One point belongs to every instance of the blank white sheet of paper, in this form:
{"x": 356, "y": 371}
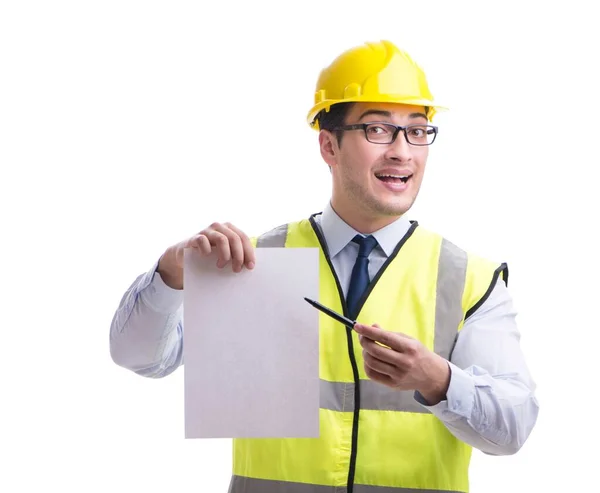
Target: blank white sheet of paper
{"x": 251, "y": 346}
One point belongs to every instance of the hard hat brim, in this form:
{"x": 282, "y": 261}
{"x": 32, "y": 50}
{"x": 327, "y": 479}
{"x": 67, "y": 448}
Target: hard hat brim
{"x": 326, "y": 104}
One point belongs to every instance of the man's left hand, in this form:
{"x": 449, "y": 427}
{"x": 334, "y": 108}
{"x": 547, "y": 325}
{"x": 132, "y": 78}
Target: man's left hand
{"x": 405, "y": 364}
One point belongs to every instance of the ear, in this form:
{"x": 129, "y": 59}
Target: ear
{"x": 329, "y": 147}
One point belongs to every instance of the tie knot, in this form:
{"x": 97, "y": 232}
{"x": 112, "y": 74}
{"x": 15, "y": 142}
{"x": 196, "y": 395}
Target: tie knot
{"x": 366, "y": 244}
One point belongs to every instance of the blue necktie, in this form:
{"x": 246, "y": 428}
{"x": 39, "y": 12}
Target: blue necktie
{"x": 360, "y": 273}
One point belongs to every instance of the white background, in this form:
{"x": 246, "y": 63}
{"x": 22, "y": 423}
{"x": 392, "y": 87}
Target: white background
{"x": 127, "y": 126}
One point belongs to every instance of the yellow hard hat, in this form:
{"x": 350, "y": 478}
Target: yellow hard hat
{"x": 375, "y": 73}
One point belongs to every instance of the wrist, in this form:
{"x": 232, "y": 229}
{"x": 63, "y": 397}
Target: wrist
{"x": 170, "y": 273}
{"x": 437, "y": 385}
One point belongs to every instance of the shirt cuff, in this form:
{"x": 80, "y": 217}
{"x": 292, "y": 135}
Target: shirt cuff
{"x": 157, "y": 295}
{"x": 459, "y": 397}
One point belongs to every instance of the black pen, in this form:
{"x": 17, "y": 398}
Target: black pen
{"x": 336, "y": 316}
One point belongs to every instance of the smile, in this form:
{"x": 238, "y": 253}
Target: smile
{"x": 393, "y": 178}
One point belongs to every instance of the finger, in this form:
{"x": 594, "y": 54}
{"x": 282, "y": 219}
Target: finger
{"x": 179, "y": 251}
{"x": 402, "y": 360}
{"x": 204, "y": 245}
{"x": 365, "y": 337}
{"x": 200, "y": 242}
{"x": 247, "y": 257}
{"x": 379, "y": 377}
{"x": 393, "y": 340}
{"x": 235, "y": 246}
{"x": 377, "y": 351}
{"x": 379, "y": 365}
{"x": 221, "y": 243}
{"x": 371, "y": 331}
{"x": 242, "y": 254}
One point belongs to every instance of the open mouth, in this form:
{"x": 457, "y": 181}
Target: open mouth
{"x": 387, "y": 178}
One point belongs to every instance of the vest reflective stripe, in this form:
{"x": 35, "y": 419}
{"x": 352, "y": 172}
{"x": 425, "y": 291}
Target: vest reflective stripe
{"x": 274, "y": 238}
{"x": 452, "y": 270}
{"x": 339, "y": 396}
{"x": 241, "y": 484}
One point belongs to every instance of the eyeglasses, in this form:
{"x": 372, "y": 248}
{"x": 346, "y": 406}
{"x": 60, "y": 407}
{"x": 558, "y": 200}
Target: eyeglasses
{"x": 386, "y": 133}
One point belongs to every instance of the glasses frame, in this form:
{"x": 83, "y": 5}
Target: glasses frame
{"x": 363, "y": 126}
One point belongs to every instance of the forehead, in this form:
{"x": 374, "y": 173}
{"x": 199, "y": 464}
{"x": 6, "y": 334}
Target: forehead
{"x": 394, "y": 111}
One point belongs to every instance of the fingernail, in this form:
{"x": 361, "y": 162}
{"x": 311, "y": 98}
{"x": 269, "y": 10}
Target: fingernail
{"x": 250, "y": 265}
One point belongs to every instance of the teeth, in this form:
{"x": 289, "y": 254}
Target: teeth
{"x": 403, "y": 178}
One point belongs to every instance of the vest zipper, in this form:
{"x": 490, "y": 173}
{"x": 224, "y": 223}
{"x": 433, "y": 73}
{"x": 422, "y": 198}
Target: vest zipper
{"x": 353, "y": 363}
{"x": 354, "y": 439}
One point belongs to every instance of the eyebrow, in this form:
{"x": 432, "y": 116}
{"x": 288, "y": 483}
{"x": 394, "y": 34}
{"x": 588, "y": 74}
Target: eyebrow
{"x": 389, "y": 114}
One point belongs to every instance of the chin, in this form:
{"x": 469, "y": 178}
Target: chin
{"x": 395, "y": 208}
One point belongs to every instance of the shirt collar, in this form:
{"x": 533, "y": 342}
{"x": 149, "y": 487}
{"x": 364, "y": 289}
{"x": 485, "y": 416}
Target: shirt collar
{"x": 338, "y": 233}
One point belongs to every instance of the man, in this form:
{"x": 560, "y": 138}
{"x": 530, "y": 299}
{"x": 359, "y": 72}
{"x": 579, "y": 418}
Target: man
{"x": 448, "y": 373}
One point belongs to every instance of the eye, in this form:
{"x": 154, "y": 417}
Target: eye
{"x": 417, "y": 132}
{"x": 377, "y": 129}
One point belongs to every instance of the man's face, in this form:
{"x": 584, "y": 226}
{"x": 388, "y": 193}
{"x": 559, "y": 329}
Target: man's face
{"x": 376, "y": 180}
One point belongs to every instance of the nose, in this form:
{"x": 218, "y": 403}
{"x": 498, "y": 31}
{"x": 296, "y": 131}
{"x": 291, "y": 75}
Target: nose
{"x": 399, "y": 150}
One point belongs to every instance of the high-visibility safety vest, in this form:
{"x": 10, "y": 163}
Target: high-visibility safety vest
{"x": 374, "y": 439}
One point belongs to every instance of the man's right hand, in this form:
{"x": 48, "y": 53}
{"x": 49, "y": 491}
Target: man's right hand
{"x": 232, "y": 245}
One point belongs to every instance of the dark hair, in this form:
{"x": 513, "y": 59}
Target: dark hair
{"x": 335, "y": 117}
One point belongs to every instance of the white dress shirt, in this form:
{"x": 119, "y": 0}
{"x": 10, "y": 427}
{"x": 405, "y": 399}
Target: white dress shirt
{"x": 490, "y": 403}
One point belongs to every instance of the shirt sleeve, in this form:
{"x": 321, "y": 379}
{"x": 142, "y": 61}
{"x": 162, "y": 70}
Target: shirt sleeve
{"x": 146, "y": 333}
{"x": 490, "y": 403}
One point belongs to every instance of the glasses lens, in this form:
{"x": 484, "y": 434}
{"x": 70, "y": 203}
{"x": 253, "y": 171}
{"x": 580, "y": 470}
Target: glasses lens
{"x": 420, "y": 134}
{"x": 380, "y": 133}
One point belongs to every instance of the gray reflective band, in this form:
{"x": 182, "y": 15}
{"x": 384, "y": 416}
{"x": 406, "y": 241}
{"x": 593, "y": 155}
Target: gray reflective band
{"x": 274, "y": 238}
{"x": 363, "y": 488}
{"x": 452, "y": 271}
{"x": 241, "y": 484}
{"x": 339, "y": 396}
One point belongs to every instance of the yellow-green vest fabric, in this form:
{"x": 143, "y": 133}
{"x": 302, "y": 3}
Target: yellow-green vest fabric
{"x": 374, "y": 439}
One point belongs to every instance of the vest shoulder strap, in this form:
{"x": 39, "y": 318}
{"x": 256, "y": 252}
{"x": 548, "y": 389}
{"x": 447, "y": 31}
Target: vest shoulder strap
{"x": 275, "y": 238}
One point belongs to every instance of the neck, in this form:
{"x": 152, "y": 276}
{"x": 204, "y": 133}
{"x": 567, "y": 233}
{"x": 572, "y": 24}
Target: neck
{"x": 361, "y": 222}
